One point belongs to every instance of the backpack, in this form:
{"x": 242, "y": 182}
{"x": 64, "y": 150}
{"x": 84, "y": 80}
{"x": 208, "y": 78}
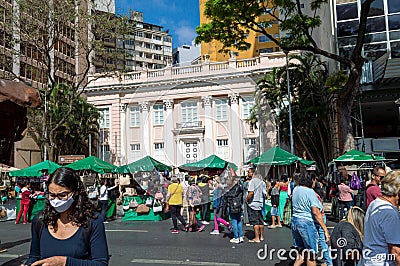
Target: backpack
{"x": 355, "y": 182}
{"x": 87, "y": 231}
{"x": 363, "y": 204}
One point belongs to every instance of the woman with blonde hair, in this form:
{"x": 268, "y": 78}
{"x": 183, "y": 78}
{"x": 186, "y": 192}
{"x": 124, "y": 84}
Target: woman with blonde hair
{"x": 347, "y": 238}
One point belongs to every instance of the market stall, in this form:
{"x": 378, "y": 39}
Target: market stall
{"x": 358, "y": 165}
{"x": 210, "y": 166}
{"x": 144, "y": 178}
{"x": 91, "y": 166}
{"x": 33, "y": 174}
{"x": 277, "y": 157}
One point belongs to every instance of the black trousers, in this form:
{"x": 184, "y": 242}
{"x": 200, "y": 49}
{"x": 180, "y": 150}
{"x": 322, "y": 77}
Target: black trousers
{"x": 176, "y": 215}
{"x": 205, "y": 209}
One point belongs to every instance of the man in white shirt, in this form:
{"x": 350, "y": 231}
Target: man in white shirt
{"x": 103, "y": 198}
{"x": 255, "y": 198}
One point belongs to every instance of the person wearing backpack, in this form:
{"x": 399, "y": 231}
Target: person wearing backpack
{"x": 193, "y": 195}
{"x": 233, "y": 198}
{"x": 373, "y": 191}
{"x": 68, "y": 231}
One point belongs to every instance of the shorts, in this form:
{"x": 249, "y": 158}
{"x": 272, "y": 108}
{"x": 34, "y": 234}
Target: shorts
{"x": 196, "y": 208}
{"x": 305, "y": 234}
{"x": 255, "y": 216}
{"x": 274, "y": 211}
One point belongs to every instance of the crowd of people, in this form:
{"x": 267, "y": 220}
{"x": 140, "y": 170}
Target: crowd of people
{"x": 367, "y": 235}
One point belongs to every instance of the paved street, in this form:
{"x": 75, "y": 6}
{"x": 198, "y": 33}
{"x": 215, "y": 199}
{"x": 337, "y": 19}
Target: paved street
{"x": 151, "y": 243}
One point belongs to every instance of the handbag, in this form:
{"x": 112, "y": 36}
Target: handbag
{"x": 157, "y": 206}
{"x": 133, "y": 204}
{"x": 142, "y": 209}
{"x": 159, "y": 196}
{"x": 355, "y": 182}
{"x": 149, "y": 202}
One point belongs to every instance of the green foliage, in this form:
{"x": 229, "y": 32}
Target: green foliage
{"x": 70, "y": 120}
{"x": 309, "y": 102}
{"x": 336, "y": 81}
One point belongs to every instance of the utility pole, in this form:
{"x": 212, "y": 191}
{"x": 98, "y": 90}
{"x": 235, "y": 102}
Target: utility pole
{"x": 290, "y": 105}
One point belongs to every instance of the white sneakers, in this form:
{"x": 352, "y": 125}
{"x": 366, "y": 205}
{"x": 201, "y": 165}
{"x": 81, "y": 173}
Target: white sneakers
{"x": 205, "y": 222}
{"x": 237, "y": 240}
{"x": 214, "y": 232}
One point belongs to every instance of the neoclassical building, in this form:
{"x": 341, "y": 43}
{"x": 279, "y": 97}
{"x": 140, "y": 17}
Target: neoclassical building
{"x": 183, "y": 114}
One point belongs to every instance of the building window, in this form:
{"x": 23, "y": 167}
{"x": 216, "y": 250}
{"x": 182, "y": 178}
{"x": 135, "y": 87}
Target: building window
{"x": 105, "y": 117}
{"x": 221, "y": 107}
{"x": 138, "y": 33}
{"x": 189, "y": 112}
{"x": 134, "y": 113}
{"x": 135, "y": 147}
{"x": 223, "y": 149}
{"x": 266, "y": 50}
{"x": 347, "y": 11}
{"x": 158, "y": 152}
{"x": 158, "y": 114}
{"x": 263, "y": 38}
{"x": 250, "y": 150}
{"x": 393, "y": 6}
{"x": 247, "y": 104}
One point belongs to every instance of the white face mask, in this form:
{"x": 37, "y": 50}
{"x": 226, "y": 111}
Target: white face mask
{"x": 61, "y": 205}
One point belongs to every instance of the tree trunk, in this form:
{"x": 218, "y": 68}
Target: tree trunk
{"x": 345, "y": 105}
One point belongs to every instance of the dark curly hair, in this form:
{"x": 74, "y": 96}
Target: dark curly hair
{"x": 81, "y": 210}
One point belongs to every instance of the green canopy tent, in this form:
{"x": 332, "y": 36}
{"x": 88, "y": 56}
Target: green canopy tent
{"x": 94, "y": 164}
{"x": 278, "y": 156}
{"x": 211, "y": 162}
{"x": 36, "y": 169}
{"x": 358, "y": 156}
{"x": 145, "y": 164}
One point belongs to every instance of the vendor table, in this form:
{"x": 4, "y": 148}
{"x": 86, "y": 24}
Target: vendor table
{"x": 131, "y": 215}
{"x": 37, "y": 205}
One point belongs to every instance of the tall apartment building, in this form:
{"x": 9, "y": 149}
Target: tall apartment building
{"x": 259, "y": 43}
{"x": 144, "y": 46}
{"x": 186, "y": 55}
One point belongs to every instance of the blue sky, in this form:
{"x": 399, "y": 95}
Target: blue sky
{"x": 180, "y": 17}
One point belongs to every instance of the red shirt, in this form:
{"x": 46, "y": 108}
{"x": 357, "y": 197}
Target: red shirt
{"x": 373, "y": 192}
{"x": 25, "y": 196}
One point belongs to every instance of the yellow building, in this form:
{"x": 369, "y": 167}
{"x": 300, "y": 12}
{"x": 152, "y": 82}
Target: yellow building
{"x": 259, "y": 43}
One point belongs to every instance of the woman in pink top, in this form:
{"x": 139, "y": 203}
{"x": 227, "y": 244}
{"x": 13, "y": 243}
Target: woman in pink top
{"x": 345, "y": 199}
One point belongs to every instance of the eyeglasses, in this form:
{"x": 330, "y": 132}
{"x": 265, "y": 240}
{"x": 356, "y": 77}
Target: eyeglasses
{"x": 60, "y": 196}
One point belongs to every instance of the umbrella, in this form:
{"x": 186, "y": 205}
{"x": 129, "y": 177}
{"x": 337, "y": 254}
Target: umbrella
{"x": 358, "y": 156}
{"x": 278, "y": 156}
{"x": 211, "y": 162}
{"x": 36, "y": 170}
{"x": 92, "y": 163}
{"x": 145, "y": 164}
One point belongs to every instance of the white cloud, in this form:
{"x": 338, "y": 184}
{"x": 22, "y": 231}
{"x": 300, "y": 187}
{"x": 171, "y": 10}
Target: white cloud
{"x": 184, "y": 34}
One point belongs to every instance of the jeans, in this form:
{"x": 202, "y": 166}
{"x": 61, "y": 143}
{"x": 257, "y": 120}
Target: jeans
{"x": 104, "y": 205}
{"x": 236, "y": 222}
{"x": 205, "y": 208}
{"x": 305, "y": 234}
{"x": 322, "y": 243}
{"x": 176, "y": 215}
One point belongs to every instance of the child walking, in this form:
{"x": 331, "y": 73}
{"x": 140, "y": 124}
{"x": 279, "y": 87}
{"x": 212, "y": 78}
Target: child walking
{"x": 275, "y": 205}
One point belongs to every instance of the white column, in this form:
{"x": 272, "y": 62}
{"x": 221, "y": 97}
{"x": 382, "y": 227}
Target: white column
{"x": 208, "y": 126}
{"x": 169, "y": 146}
{"x": 235, "y": 130}
{"x": 122, "y": 109}
{"x": 144, "y": 121}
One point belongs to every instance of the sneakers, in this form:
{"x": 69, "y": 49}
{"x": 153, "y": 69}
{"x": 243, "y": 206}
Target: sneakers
{"x": 235, "y": 240}
{"x": 201, "y": 228}
{"x": 214, "y": 232}
{"x": 175, "y": 231}
{"x": 241, "y": 239}
{"x": 279, "y": 225}
{"x": 105, "y": 222}
{"x": 186, "y": 228}
{"x": 205, "y": 222}
{"x": 272, "y": 226}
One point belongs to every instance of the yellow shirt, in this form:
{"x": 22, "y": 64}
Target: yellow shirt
{"x": 176, "y": 191}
